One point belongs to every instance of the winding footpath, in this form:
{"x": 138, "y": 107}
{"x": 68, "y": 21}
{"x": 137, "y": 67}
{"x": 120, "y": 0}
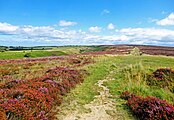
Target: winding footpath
{"x": 101, "y": 108}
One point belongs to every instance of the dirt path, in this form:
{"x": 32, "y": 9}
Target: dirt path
{"x": 101, "y": 108}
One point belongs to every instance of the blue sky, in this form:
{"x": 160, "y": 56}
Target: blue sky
{"x": 86, "y": 22}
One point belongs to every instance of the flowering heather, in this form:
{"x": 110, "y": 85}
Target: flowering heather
{"x": 34, "y": 99}
{"x": 149, "y": 108}
{"x": 163, "y": 73}
{"x": 80, "y": 61}
{"x": 2, "y": 114}
{"x": 30, "y": 60}
{"x": 163, "y": 77}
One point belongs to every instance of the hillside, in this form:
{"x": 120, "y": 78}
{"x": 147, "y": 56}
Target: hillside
{"x": 91, "y": 82}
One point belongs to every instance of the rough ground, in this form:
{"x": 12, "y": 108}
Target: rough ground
{"x": 101, "y": 108}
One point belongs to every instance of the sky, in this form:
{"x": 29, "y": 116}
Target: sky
{"x": 86, "y": 22}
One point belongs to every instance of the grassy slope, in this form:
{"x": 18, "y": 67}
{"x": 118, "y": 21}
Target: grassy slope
{"x": 130, "y": 74}
{"x": 85, "y": 92}
{"x": 70, "y": 49}
{"x": 121, "y": 67}
{"x": 34, "y": 54}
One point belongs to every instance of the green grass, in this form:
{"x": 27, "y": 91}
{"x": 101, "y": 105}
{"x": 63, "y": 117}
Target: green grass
{"x": 33, "y": 54}
{"x": 70, "y": 49}
{"x": 129, "y": 73}
{"x": 92, "y": 49}
{"x": 85, "y": 92}
{"x": 79, "y": 49}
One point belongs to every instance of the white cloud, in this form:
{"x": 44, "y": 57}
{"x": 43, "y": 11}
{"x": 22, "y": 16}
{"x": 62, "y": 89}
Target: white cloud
{"x": 137, "y": 36}
{"x": 50, "y": 35}
{"x": 149, "y": 36}
{"x": 95, "y": 29}
{"x": 110, "y": 26}
{"x": 105, "y": 11}
{"x": 8, "y": 28}
{"x": 34, "y": 31}
{"x": 166, "y": 21}
{"x": 37, "y": 33}
{"x": 114, "y": 38}
{"x": 147, "y": 32}
{"x": 64, "y": 23}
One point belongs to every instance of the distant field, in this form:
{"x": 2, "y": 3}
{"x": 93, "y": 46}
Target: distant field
{"x": 41, "y": 52}
{"x": 45, "y": 51}
{"x": 29, "y": 54}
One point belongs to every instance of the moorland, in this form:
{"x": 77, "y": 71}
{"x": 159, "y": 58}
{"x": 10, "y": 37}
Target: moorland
{"x": 107, "y": 82}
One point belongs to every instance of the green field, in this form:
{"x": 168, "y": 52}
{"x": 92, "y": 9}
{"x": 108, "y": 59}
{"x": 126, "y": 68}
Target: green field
{"x": 35, "y": 52}
{"x": 30, "y": 54}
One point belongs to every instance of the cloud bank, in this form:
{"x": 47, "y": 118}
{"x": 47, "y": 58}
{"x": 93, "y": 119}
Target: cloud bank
{"x": 49, "y": 35}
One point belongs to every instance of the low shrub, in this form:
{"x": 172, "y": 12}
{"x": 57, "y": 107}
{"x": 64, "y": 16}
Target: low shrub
{"x": 149, "y": 108}
{"x": 80, "y": 61}
{"x": 163, "y": 78}
{"x": 126, "y": 95}
{"x": 34, "y": 99}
